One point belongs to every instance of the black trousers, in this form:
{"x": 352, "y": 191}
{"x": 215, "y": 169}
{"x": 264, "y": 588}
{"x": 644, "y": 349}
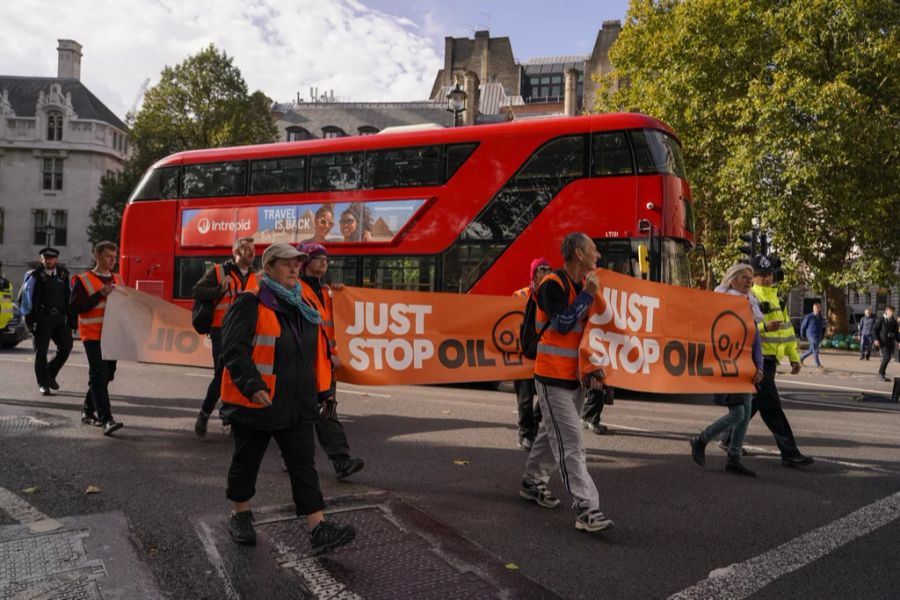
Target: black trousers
{"x": 331, "y": 434}
{"x": 768, "y": 403}
{"x": 529, "y": 410}
{"x": 593, "y": 408}
{"x": 886, "y": 354}
{"x": 100, "y": 373}
{"x": 49, "y": 327}
{"x": 215, "y": 386}
{"x": 298, "y": 449}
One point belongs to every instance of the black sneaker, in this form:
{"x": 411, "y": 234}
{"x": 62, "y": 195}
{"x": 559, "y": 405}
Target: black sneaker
{"x": 345, "y": 467}
{"x": 698, "y": 450}
{"x": 53, "y": 385}
{"x": 112, "y": 426}
{"x": 797, "y": 461}
{"x": 89, "y": 418}
{"x": 200, "y": 425}
{"x": 45, "y": 390}
{"x": 240, "y": 526}
{"x": 328, "y": 535}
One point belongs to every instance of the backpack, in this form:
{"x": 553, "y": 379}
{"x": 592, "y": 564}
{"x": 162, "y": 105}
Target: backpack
{"x": 529, "y": 336}
{"x": 203, "y": 310}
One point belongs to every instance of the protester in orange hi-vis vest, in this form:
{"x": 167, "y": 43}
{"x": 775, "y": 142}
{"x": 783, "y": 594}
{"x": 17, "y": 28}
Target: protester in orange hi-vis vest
{"x": 529, "y": 412}
{"x": 329, "y": 429}
{"x": 270, "y": 343}
{"x": 563, "y": 300}
{"x": 89, "y": 294}
{"x": 221, "y": 284}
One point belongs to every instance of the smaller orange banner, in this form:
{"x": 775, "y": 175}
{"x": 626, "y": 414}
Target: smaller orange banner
{"x": 668, "y": 339}
{"x": 387, "y": 337}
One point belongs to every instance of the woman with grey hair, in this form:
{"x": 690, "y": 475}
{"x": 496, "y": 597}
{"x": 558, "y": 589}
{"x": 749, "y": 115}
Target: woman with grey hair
{"x": 737, "y": 281}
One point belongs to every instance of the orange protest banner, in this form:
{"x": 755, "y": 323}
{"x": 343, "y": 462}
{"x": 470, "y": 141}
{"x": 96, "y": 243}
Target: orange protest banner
{"x": 668, "y": 339}
{"x": 389, "y": 337}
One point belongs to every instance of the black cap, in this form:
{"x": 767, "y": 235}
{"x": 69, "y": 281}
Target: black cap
{"x": 49, "y": 252}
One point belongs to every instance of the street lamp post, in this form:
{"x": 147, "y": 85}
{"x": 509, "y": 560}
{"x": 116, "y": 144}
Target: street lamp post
{"x": 456, "y": 103}
{"x": 50, "y": 231}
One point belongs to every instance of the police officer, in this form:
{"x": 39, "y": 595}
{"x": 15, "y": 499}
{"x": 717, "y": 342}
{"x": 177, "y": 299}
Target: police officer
{"x": 778, "y": 341}
{"x": 45, "y": 301}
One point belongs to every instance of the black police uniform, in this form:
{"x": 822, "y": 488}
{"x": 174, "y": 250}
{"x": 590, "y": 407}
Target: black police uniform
{"x": 49, "y": 320}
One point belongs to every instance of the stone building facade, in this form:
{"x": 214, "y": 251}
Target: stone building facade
{"x": 56, "y": 141}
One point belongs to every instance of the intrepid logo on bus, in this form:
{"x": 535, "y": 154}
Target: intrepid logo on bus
{"x": 204, "y": 225}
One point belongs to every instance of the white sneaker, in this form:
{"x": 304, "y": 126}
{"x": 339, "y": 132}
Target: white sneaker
{"x": 539, "y": 493}
{"x": 593, "y": 520}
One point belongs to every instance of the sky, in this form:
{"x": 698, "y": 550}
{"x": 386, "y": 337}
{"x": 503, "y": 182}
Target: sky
{"x": 364, "y": 50}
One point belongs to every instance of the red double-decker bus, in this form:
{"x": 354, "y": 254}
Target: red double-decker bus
{"x": 462, "y": 210}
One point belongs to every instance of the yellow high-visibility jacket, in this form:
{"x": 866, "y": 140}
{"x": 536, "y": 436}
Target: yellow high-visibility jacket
{"x": 782, "y": 342}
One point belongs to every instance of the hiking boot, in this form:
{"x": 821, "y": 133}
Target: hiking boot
{"x": 328, "y": 535}
{"x": 240, "y": 526}
{"x": 593, "y": 520}
{"x": 733, "y": 465}
{"x": 698, "y": 450}
{"x": 345, "y": 467}
{"x": 202, "y": 422}
{"x": 724, "y": 447}
{"x": 538, "y": 492}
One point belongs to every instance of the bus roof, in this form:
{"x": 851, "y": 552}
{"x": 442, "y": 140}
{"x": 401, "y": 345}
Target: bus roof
{"x": 552, "y": 125}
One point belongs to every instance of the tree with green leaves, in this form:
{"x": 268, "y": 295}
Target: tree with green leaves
{"x": 787, "y": 110}
{"x": 201, "y": 103}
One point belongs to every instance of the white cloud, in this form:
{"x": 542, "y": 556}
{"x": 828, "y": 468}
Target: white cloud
{"x": 281, "y": 46}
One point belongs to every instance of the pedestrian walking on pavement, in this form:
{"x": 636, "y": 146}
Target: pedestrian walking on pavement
{"x": 885, "y": 336}
{"x": 564, "y": 301}
{"x": 45, "y": 301}
{"x": 813, "y": 329}
{"x": 329, "y": 429}
{"x": 778, "y": 341}
{"x": 220, "y": 285}
{"x": 89, "y": 294}
{"x": 529, "y": 411}
{"x": 737, "y": 282}
{"x": 269, "y": 352}
{"x": 866, "y": 325}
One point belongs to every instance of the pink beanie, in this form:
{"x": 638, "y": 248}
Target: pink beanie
{"x": 538, "y": 262}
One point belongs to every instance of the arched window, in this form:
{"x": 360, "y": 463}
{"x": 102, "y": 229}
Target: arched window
{"x": 297, "y": 134}
{"x": 54, "y": 125}
{"x": 330, "y": 131}
{"x": 367, "y": 130}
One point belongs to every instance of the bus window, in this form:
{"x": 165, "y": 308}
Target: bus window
{"x": 158, "y": 184}
{"x": 465, "y": 262}
{"x": 405, "y": 167}
{"x": 189, "y": 270}
{"x": 343, "y": 269}
{"x": 214, "y": 179}
{"x": 455, "y": 155}
{"x": 611, "y": 155}
{"x": 617, "y": 255}
{"x": 554, "y": 165}
{"x": 332, "y": 172}
{"x": 278, "y": 175}
{"x": 415, "y": 273}
{"x": 656, "y": 152}
{"x": 676, "y": 267}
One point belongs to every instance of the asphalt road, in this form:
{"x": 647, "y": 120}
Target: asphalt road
{"x": 828, "y": 531}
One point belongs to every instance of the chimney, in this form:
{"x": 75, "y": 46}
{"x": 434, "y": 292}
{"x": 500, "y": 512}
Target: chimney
{"x": 69, "y": 66}
{"x": 470, "y": 85}
{"x": 570, "y": 102}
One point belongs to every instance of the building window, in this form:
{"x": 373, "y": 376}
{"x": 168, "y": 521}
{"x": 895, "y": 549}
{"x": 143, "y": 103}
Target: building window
{"x": 367, "y": 130}
{"x": 40, "y": 227}
{"x": 60, "y": 227}
{"x": 331, "y": 131}
{"x": 54, "y": 126}
{"x": 53, "y": 174}
{"x": 2, "y": 223}
{"x": 297, "y": 134}
{"x": 49, "y": 232}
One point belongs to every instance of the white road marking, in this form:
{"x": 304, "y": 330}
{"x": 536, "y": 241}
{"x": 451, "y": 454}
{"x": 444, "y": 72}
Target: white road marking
{"x": 207, "y": 375}
{"x": 744, "y": 579}
{"x": 831, "y": 387}
{"x": 344, "y": 390}
{"x": 206, "y": 538}
{"x": 26, "y": 514}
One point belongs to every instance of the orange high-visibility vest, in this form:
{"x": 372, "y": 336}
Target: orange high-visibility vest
{"x": 557, "y": 353}
{"x": 90, "y": 323}
{"x": 268, "y": 330}
{"x": 234, "y": 288}
{"x": 326, "y": 346}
